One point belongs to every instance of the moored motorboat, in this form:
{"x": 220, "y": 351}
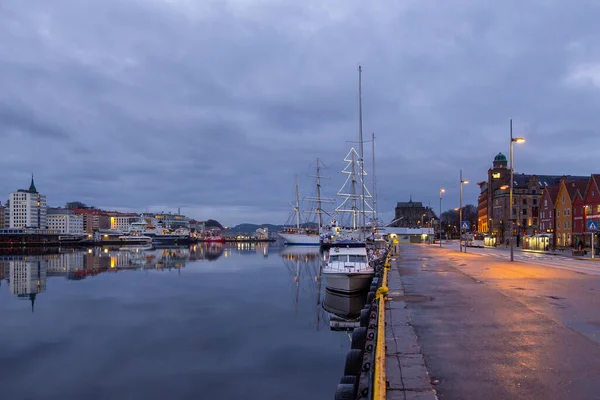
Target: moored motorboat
{"x": 348, "y": 269}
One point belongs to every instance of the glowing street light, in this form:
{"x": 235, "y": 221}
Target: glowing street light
{"x": 462, "y": 181}
{"x": 442, "y": 190}
{"x": 512, "y": 181}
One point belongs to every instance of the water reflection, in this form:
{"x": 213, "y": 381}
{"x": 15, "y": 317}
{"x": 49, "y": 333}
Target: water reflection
{"x": 26, "y": 275}
{"x": 304, "y": 264}
{"x": 345, "y": 306}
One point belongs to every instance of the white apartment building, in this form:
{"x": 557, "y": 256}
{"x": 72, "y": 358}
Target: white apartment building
{"x": 27, "y": 208}
{"x": 122, "y": 221}
{"x": 64, "y": 221}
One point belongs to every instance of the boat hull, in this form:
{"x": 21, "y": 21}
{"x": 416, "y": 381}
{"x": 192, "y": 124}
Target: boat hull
{"x": 300, "y": 239}
{"x": 348, "y": 282}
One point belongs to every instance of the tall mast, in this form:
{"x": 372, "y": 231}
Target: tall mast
{"x": 353, "y": 194}
{"x": 319, "y": 221}
{"x": 361, "y": 150}
{"x": 297, "y": 205}
{"x": 374, "y": 184}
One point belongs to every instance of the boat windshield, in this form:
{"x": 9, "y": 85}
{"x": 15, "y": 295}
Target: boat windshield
{"x": 345, "y": 258}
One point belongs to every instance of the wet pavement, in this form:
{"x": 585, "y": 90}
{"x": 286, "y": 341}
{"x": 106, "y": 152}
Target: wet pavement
{"x": 490, "y": 329}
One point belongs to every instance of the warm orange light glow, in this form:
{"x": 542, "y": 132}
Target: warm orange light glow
{"x": 504, "y": 187}
{"x": 519, "y": 140}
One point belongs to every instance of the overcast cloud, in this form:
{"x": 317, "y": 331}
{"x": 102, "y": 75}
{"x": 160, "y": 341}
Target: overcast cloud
{"x": 215, "y": 105}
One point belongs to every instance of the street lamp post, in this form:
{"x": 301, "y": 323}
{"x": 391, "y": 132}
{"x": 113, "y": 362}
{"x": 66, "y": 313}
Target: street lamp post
{"x": 460, "y": 214}
{"x": 512, "y": 180}
{"x": 440, "y": 227}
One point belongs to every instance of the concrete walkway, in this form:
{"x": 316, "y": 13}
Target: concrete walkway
{"x": 480, "y": 327}
{"x": 405, "y": 367}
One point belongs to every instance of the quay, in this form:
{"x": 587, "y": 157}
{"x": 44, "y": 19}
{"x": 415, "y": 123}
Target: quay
{"x": 476, "y": 326}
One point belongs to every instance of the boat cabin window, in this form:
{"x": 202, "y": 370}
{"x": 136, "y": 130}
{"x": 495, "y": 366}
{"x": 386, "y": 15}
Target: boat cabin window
{"x": 357, "y": 258}
{"x": 345, "y": 258}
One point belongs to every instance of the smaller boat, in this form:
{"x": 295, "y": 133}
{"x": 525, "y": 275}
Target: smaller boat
{"x": 214, "y": 237}
{"x": 135, "y": 240}
{"x": 348, "y": 269}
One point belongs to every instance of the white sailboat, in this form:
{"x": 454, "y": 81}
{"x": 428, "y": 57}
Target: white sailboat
{"x": 299, "y": 235}
{"x": 307, "y": 236}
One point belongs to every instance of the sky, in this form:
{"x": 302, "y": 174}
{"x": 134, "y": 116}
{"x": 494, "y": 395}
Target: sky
{"x": 214, "y": 106}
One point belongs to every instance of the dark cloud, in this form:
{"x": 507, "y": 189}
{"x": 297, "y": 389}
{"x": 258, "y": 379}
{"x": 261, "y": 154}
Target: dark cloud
{"x": 215, "y": 106}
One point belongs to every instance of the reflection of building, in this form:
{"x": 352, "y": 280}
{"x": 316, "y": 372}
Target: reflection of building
{"x": 27, "y": 208}
{"x": 27, "y": 278}
{"x": 61, "y": 264}
{"x": 64, "y": 221}
{"x": 412, "y": 214}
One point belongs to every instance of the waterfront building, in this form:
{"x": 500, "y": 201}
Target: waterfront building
{"x": 2, "y": 217}
{"x": 198, "y": 226}
{"x": 27, "y": 208}
{"x": 592, "y": 205}
{"x": 411, "y": 214}
{"x": 547, "y": 213}
{"x": 563, "y": 207}
{"x": 93, "y": 219}
{"x": 493, "y": 208}
{"x": 121, "y": 221}
{"x": 64, "y": 221}
{"x": 6, "y": 215}
{"x": 166, "y": 221}
{"x": 579, "y": 227}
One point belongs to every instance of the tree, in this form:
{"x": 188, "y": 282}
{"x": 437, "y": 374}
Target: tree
{"x": 75, "y": 204}
{"x": 451, "y": 219}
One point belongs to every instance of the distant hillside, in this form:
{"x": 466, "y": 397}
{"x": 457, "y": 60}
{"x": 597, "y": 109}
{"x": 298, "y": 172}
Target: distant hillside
{"x": 211, "y": 223}
{"x": 251, "y": 228}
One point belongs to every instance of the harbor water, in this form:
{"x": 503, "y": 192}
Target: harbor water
{"x": 243, "y": 321}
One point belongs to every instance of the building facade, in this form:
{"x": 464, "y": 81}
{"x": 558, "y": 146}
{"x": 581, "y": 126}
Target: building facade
{"x": 564, "y": 211}
{"x": 64, "y": 221}
{"x": 93, "y": 219}
{"x": 2, "y": 217}
{"x": 494, "y": 211}
{"x": 579, "y": 217}
{"x": 6, "y": 215}
{"x": 547, "y": 214}
{"x": 27, "y": 208}
{"x": 592, "y": 206}
{"x": 412, "y": 214}
{"x": 122, "y": 221}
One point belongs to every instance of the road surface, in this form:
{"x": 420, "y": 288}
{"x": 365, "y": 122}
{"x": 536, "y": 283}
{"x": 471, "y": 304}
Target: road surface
{"x": 491, "y": 329}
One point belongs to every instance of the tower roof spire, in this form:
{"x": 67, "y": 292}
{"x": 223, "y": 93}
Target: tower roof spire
{"x": 32, "y": 188}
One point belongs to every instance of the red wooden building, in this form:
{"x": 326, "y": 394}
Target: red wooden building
{"x": 592, "y": 205}
{"x": 546, "y": 212}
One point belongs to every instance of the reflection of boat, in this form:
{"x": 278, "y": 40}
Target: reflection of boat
{"x": 348, "y": 269}
{"x": 346, "y": 306}
{"x": 296, "y": 251}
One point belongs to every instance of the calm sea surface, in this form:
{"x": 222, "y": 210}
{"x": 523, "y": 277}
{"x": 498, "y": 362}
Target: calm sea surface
{"x": 223, "y": 322}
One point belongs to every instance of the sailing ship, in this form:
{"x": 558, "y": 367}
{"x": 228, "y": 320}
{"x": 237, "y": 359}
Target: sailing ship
{"x": 307, "y": 236}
